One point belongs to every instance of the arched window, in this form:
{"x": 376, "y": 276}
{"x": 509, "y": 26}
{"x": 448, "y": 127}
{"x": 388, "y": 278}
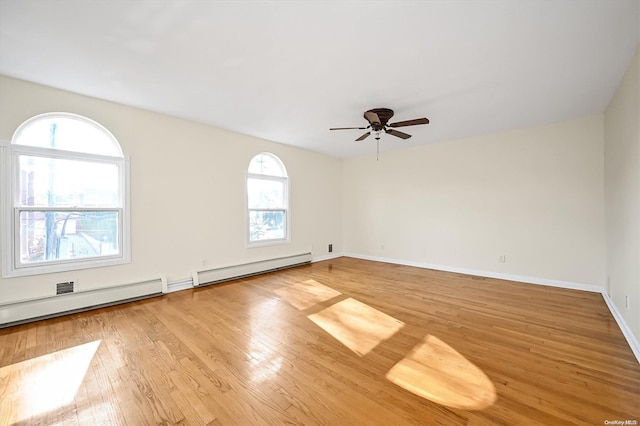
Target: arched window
{"x": 64, "y": 197}
{"x": 267, "y": 200}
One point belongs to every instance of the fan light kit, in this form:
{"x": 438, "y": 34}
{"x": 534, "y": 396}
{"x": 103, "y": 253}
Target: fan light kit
{"x": 378, "y": 119}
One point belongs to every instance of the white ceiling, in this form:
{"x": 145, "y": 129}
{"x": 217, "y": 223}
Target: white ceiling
{"x": 288, "y": 71}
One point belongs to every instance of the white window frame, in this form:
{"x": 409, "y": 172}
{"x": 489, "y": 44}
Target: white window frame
{"x": 11, "y": 208}
{"x": 287, "y": 219}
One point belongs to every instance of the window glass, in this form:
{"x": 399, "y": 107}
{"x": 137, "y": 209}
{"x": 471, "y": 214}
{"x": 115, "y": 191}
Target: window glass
{"x": 70, "y": 183}
{"x": 267, "y": 225}
{"x": 267, "y": 164}
{"x": 68, "y": 133}
{"x": 266, "y": 194}
{"x": 59, "y": 235}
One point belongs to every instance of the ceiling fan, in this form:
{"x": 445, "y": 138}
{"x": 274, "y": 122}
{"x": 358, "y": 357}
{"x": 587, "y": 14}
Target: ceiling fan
{"x": 378, "y": 119}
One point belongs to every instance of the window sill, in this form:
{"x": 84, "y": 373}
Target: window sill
{"x": 62, "y": 267}
{"x": 266, "y": 243}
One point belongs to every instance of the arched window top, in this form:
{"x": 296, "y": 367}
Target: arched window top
{"x": 267, "y": 164}
{"x": 68, "y": 132}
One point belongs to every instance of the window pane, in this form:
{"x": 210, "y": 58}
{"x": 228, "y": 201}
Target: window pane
{"x": 265, "y": 164}
{"x": 54, "y": 235}
{"x": 266, "y": 225}
{"x": 265, "y": 194}
{"x": 67, "y": 183}
{"x": 67, "y": 133}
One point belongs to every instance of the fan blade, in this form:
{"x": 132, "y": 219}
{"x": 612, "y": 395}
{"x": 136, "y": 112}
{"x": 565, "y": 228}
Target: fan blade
{"x": 372, "y": 117}
{"x": 397, "y": 134}
{"x": 348, "y": 128}
{"x": 410, "y": 122}
{"x": 363, "y": 137}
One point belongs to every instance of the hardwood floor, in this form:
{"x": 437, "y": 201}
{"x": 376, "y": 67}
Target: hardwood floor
{"x": 341, "y": 342}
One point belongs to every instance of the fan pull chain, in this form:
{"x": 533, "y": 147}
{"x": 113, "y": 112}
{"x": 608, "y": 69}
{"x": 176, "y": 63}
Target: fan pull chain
{"x": 378, "y": 149}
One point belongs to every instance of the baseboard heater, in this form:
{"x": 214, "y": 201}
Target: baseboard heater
{"x": 228, "y": 273}
{"x": 20, "y": 312}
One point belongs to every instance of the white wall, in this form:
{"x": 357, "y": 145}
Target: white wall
{"x": 187, "y": 191}
{"x": 622, "y": 189}
{"x": 535, "y": 195}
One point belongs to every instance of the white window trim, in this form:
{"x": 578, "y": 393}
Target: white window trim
{"x": 287, "y": 210}
{"x": 9, "y": 210}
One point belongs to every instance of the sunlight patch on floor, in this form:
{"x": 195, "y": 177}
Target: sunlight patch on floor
{"x": 356, "y": 325}
{"x": 43, "y": 384}
{"x": 437, "y": 372}
{"x": 304, "y": 295}
{"x": 432, "y": 370}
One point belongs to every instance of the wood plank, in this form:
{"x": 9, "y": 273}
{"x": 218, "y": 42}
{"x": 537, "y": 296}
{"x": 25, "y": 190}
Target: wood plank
{"x": 249, "y": 352}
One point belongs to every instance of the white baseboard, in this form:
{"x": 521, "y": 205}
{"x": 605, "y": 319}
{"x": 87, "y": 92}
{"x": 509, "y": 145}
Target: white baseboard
{"x": 624, "y": 327}
{"x": 326, "y": 257}
{"x": 489, "y": 274}
{"x": 179, "y": 285}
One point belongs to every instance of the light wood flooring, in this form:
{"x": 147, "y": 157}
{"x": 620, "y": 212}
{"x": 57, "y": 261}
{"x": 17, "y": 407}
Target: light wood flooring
{"x": 339, "y": 342}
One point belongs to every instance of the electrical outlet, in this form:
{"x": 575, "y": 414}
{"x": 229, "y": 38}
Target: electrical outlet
{"x": 330, "y": 248}
{"x": 626, "y": 302}
{"x": 502, "y": 258}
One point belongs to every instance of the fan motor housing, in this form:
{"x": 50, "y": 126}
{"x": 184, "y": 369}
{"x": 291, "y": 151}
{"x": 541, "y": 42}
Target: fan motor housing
{"x": 384, "y": 114}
